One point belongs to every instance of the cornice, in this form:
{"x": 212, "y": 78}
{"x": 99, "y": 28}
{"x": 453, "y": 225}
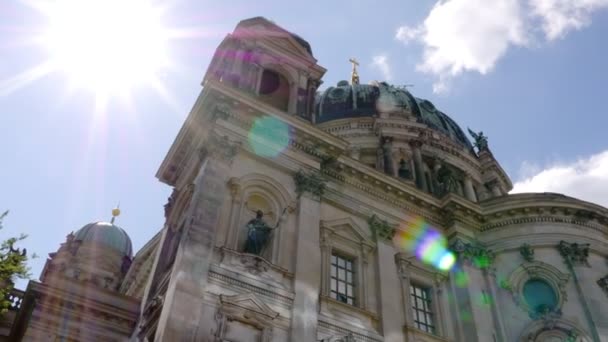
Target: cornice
{"x": 292, "y": 121}
{"x": 542, "y": 207}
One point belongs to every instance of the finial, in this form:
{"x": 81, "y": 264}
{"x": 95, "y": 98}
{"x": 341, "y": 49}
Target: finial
{"x": 115, "y": 213}
{"x": 354, "y": 76}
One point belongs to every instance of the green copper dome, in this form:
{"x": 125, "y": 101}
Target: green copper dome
{"x": 106, "y": 234}
{"x": 365, "y": 100}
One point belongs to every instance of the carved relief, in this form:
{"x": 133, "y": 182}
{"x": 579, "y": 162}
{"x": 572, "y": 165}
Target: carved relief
{"x": 381, "y": 229}
{"x": 603, "y": 283}
{"x": 311, "y": 182}
{"x": 527, "y": 252}
{"x": 219, "y": 147}
{"x": 243, "y": 314}
{"x": 475, "y": 255}
{"x": 574, "y": 253}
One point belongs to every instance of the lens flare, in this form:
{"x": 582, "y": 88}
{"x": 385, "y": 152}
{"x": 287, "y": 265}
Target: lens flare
{"x": 461, "y": 278}
{"x": 427, "y": 244}
{"x": 268, "y": 136}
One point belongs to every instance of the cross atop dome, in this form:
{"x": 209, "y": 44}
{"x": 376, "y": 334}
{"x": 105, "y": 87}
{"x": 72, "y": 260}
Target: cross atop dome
{"x": 354, "y": 76}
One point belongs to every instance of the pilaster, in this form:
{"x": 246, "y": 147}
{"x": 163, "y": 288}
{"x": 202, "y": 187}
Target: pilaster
{"x": 181, "y": 316}
{"x": 307, "y": 269}
{"x": 388, "y": 287}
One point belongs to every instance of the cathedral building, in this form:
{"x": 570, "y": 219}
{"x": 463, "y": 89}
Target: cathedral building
{"x": 358, "y": 212}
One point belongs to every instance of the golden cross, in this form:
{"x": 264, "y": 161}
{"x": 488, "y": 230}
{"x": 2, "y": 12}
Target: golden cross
{"x": 354, "y": 75}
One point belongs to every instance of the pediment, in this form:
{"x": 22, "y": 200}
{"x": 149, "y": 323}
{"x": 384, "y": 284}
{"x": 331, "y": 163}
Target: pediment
{"x": 249, "y": 302}
{"x": 349, "y": 229}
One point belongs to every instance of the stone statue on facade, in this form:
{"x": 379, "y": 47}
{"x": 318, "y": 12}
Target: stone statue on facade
{"x": 481, "y": 141}
{"x": 446, "y": 181}
{"x": 259, "y": 233}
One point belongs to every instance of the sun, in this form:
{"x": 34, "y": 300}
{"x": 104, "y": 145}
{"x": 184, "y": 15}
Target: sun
{"x": 107, "y": 46}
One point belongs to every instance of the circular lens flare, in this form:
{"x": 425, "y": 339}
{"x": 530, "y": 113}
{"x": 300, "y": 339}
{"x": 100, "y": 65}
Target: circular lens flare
{"x": 426, "y": 243}
{"x": 268, "y": 136}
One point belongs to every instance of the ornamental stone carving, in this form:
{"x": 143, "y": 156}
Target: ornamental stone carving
{"x": 475, "y": 255}
{"x": 311, "y": 182}
{"x": 249, "y": 311}
{"x": 603, "y": 283}
{"x": 346, "y": 338}
{"x": 220, "y": 148}
{"x": 221, "y": 111}
{"x": 574, "y": 253}
{"x": 546, "y": 273}
{"x": 381, "y": 229}
{"x": 527, "y": 252}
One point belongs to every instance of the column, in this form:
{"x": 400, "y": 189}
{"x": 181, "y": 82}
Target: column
{"x": 387, "y": 150}
{"x": 307, "y": 270}
{"x": 183, "y": 316}
{"x": 469, "y": 192}
{"x": 391, "y": 311}
{"x": 418, "y": 165}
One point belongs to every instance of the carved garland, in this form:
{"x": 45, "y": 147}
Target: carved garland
{"x": 311, "y": 182}
{"x": 381, "y": 229}
{"x": 475, "y": 255}
{"x": 603, "y": 283}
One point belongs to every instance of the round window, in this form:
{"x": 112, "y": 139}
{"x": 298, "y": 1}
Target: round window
{"x": 540, "y": 296}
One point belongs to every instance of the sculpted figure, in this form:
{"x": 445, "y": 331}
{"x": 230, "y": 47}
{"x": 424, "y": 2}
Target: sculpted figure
{"x": 259, "y": 233}
{"x": 481, "y": 141}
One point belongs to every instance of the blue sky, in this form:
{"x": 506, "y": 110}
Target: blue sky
{"x": 530, "y": 73}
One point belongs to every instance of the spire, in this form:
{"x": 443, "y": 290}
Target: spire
{"x": 115, "y": 213}
{"x": 354, "y": 76}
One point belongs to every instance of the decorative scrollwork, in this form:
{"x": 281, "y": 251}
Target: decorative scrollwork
{"x": 478, "y": 256}
{"x": 527, "y": 252}
{"x": 311, "y": 182}
{"x": 220, "y": 148}
{"x": 603, "y": 283}
{"x": 381, "y": 229}
{"x": 574, "y": 253}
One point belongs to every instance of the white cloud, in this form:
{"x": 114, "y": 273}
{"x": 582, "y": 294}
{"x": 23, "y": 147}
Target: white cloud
{"x": 472, "y": 35}
{"x": 380, "y": 62}
{"x": 560, "y": 16}
{"x": 586, "y": 179}
{"x": 407, "y": 34}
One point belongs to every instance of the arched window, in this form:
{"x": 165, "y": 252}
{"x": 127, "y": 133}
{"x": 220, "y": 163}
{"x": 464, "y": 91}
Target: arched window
{"x": 274, "y": 89}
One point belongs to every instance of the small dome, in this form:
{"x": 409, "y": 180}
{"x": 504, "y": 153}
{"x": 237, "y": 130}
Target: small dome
{"x": 106, "y": 234}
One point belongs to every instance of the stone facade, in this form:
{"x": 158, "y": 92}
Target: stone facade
{"x": 332, "y": 194}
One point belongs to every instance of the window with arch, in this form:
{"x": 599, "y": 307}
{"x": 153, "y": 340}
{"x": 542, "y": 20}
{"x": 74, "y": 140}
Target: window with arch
{"x": 274, "y": 89}
{"x": 538, "y": 288}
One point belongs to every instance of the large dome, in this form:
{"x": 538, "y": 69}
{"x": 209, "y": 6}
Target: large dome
{"x": 106, "y": 234}
{"x": 363, "y": 100}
